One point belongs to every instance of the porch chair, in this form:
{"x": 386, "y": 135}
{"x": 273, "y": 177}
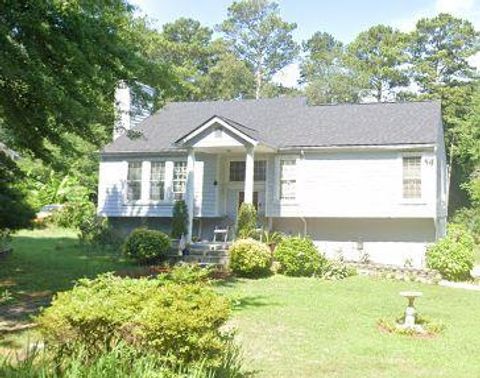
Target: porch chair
{"x": 219, "y": 234}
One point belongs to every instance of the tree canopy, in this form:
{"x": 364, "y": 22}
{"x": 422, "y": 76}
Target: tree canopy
{"x": 260, "y": 37}
{"x": 59, "y": 65}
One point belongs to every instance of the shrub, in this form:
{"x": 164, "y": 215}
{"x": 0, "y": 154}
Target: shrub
{"x": 336, "y": 270}
{"x": 180, "y": 219}
{"x": 299, "y": 257}
{"x": 187, "y": 274}
{"x": 470, "y": 219}
{"x": 73, "y": 214}
{"x": 250, "y": 258}
{"x": 97, "y": 232}
{"x": 179, "y": 323}
{"x": 143, "y": 245}
{"x": 246, "y": 220}
{"x": 453, "y": 256}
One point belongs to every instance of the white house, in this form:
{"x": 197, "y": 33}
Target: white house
{"x": 363, "y": 180}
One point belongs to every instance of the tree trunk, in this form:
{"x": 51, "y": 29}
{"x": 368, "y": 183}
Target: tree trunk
{"x": 258, "y": 83}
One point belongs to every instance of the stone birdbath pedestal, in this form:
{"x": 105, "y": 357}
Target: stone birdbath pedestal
{"x": 410, "y": 311}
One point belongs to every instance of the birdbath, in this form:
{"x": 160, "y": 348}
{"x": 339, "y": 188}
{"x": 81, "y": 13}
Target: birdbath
{"x": 410, "y": 311}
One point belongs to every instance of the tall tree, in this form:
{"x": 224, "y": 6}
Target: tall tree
{"x": 324, "y": 72}
{"x": 186, "y": 46}
{"x": 205, "y": 68}
{"x": 440, "y": 48}
{"x": 377, "y": 55}
{"x": 260, "y": 37}
{"x": 228, "y": 78}
{"x": 60, "y": 62}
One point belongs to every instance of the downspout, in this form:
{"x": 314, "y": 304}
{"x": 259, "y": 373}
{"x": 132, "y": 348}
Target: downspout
{"x": 302, "y": 218}
{"x": 304, "y": 226}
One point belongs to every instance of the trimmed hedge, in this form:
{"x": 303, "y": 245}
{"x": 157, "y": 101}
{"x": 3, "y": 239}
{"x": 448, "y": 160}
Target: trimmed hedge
{"x": 250, "y": 258}
{"x": 453, "y": 256}
{"x": 143, "y": 245}
{"x": 298, "y": 256}
{"x": 180, "y": 323}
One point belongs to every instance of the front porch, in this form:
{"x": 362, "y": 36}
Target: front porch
{"x": 239, "y": 175}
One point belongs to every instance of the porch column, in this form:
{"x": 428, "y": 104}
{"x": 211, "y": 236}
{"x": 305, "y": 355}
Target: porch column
{"x": 190, "y": 192}
{"x": 249, "y": 170}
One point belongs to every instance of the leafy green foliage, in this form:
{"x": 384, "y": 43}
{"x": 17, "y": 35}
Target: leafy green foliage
{"x": 299, "y": 257}
{"x": 143, "y": 245}
{"x": 122, "y": 361}
{"x": 440, "y": 47}
{"x": 453, "y": 256}
{"x": 329, "y": 79}
{"x": 180, "y": 219}
{"x": 15, "y": 212}
{"x": 51, "y": 62}
{"x": 187, "y": 274}
{"x": 73, "y": 214}
{"x": 337, "y": 270}
{"x": 377, "y": 55}
{"x": 246, "y": 220}
{"x": 5, "y": 238}
{"x": 96, "y": 231}
{"x": 178, "y": 323}
{"x": 204, "y": 68}
{"x": 260, "y": 37}
{"x": 250, "y": 258}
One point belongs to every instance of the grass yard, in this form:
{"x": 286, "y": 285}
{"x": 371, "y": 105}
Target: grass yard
{"x": 291, "y": 327}
{"x": 42, "y": 263}
{"x": 287, "y": 327}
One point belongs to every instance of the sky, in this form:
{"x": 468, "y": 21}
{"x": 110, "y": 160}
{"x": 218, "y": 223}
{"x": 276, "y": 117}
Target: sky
{"x": 344, "y": 19}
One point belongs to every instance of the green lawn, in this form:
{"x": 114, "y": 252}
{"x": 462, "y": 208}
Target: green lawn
{"x": 287, "y": 327}
{"x": 44, "y": 262}
{"x": 291, "y": 327}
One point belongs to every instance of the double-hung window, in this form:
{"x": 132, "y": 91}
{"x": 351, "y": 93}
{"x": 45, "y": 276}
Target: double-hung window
{"x": 237, "y": 171}
{"x": 179, "y": 179}
{"x": 134, "y": 181}
{"x": 157, "y": 181}
{"x": 288, "y": 179}
{"x": 412, "y": 177}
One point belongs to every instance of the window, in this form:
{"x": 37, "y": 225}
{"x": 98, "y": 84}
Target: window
{"x": 157, "y": 181}
{"x": 179, "y": 179}
{"x": 288, "y": 182}
{"x": 260, "y": 170}
{"x": 134, "y": 181}
{"x": 412, "y": 177}
{"x": 237, "y": 170}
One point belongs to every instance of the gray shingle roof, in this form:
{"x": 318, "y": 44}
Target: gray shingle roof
{"x": 290, "y": 122}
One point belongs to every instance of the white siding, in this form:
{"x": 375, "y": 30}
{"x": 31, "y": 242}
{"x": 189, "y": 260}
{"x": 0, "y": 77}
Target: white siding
{"x": 355, "y": 185}
{"x": 112, "y": 188}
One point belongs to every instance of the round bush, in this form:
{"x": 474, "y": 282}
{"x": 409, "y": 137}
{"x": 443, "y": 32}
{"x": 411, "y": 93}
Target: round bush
{"x": 250, "y": 258}
{"x": 453, "y": 256}
{"x": 298, "y": 256}
{"x": 180, "y": 323}
{"x": 145, "y": 245}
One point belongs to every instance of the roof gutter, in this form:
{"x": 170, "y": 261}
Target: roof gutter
{"x": 379, "y": 147}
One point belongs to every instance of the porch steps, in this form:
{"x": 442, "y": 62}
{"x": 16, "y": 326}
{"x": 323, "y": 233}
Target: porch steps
{"x": 207, "y": 254}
